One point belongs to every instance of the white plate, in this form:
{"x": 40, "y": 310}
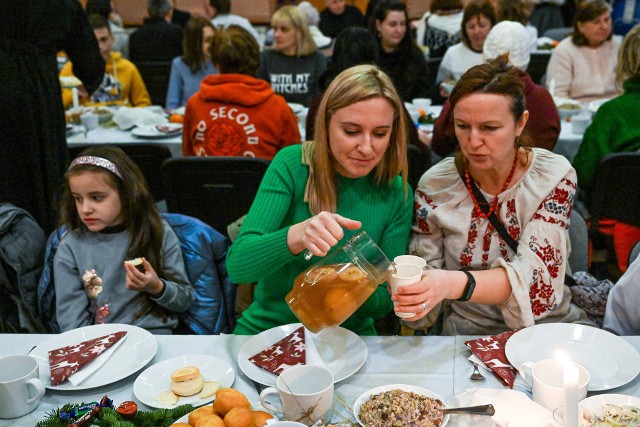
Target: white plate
{"x": 255, "y": 406}
{"x": 157, "y": 378}
{"x": 342, "y": 351}
{"x": 150, "y": 131}
{"x": 594, "y": 404}
{"x": 133, "y": 354}
{"x": 610, "y": 360}
{"x": 364, "y": 397}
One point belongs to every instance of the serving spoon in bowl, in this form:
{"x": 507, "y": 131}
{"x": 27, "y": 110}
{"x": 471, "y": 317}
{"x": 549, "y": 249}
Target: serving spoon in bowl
{"x": 471, "y": 410}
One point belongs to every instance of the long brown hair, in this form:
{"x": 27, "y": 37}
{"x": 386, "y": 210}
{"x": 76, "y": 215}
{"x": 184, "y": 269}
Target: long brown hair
{"x": 476, "y": 8}
{"x": 350, "y": 86}
{"x": 192, "y": 42}
{"x": 140, "y": 217}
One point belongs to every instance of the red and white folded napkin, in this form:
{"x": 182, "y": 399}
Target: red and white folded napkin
{"x": 297, "y": 348}
{"x": 289, "y": 351}
{"x": 66, "y": 362}
{"x": 490, "y": 351}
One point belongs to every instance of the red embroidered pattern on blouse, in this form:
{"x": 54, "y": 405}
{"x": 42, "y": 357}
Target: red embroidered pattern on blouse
{"x": 512, "y": 225}
{"x": 556, "y": 208}
{"x": 421, "y": 206}
{"x": 467, "y": 253}
{"x": 541, "y": 294}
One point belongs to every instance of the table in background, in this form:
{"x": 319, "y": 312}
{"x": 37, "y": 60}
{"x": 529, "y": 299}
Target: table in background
{"x": 437, "y": 363}
{"x": 112, "y": 135}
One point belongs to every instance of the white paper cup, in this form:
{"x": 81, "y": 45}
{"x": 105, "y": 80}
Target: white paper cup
{"x": 20, "y": 388}
{"x": 410, "y": 259}
{"x": 405, "y": 275}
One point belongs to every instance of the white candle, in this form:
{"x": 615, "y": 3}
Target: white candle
{"x": 570, "y": 376}
{"x": 74, "y": 93}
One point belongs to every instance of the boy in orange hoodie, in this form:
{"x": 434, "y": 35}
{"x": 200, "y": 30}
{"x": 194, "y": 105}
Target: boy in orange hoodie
{"x": 235, "y": 113}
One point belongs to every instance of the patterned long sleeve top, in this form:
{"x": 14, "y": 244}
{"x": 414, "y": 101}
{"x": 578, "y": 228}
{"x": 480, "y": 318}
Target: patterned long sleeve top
{"x": 535, "y": 211}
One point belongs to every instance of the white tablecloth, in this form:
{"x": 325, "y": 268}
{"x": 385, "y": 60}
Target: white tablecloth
{"x": 111, "y": 134}
{"x": 437, "y": 363}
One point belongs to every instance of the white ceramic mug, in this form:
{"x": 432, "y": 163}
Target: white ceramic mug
{"x": 405, "y": 275}
{"x": 546, "y": 380}
{"x": 20, "y": 388}
{"x": 305, "y": 392}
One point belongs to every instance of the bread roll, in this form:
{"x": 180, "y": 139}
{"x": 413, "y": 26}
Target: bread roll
{"x": 210, "y": 388}
{"x": 186, "y": 373}
{"x": 229, "y": 398}
{"x": 239, "y": 417}
{"x": 188, "y": 387}
{"x": 202, "y": 412}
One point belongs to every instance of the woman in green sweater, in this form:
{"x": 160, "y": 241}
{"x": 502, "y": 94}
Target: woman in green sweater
{"x": 353, "y": 176}
{"x": 615, "y": 127}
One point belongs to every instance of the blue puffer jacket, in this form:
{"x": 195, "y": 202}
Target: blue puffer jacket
{"x": 204, "y": 251}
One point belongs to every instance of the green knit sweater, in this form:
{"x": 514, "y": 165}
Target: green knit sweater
{"x": 260, "y": 253}
{"x": 615, "y": 128}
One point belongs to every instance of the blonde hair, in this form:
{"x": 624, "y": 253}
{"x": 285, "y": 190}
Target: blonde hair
{"x": 353, "y": 85}
{"x": 291, "y": 17}
{"x": 629, "y": 56}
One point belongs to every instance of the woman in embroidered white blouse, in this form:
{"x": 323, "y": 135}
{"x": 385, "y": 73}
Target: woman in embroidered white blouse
{"x": 475, "y": 279}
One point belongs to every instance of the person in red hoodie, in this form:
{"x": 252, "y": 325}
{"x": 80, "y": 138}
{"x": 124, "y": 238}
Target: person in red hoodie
{"x": 235, "y": 113}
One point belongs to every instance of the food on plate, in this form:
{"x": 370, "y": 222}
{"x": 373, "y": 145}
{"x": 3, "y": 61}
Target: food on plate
{"x": 187, "y": 381}
{"x": 137, "y": 263}
{"x": 212, "y": 421}
{"x": 202, "y": 412}
{"x": 612, "y": 416}
{"x": 176, "y": 118}
{"x": 127, "y": 410}
{"x": 180, "y": 425}
{"x": 167, "y": 398}
{"x": 229, "y": 398}
{"x": 398, "y": 408}
{"x": 569, "y": 106}
{"x": 210, "y": 388}
{"x": 239, "y": 417}
{"x": 260, "y": 418}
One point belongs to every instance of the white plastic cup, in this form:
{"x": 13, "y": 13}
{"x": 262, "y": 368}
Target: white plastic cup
{"x": 90, "y": 120}
{"x": 411, "y": 259}
{"x": 405, "y": 275}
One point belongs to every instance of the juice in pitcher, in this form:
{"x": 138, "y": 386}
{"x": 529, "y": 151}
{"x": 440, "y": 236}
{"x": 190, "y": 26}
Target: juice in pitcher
{"x": 331, "y": 290}
{"x": 326, "y": 296}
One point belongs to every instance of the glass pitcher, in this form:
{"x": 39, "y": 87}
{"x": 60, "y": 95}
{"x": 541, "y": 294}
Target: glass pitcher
{"x": 331, "y": 290}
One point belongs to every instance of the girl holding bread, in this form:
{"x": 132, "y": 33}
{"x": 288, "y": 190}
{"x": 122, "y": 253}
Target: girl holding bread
{"x": 109, "y": 212}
